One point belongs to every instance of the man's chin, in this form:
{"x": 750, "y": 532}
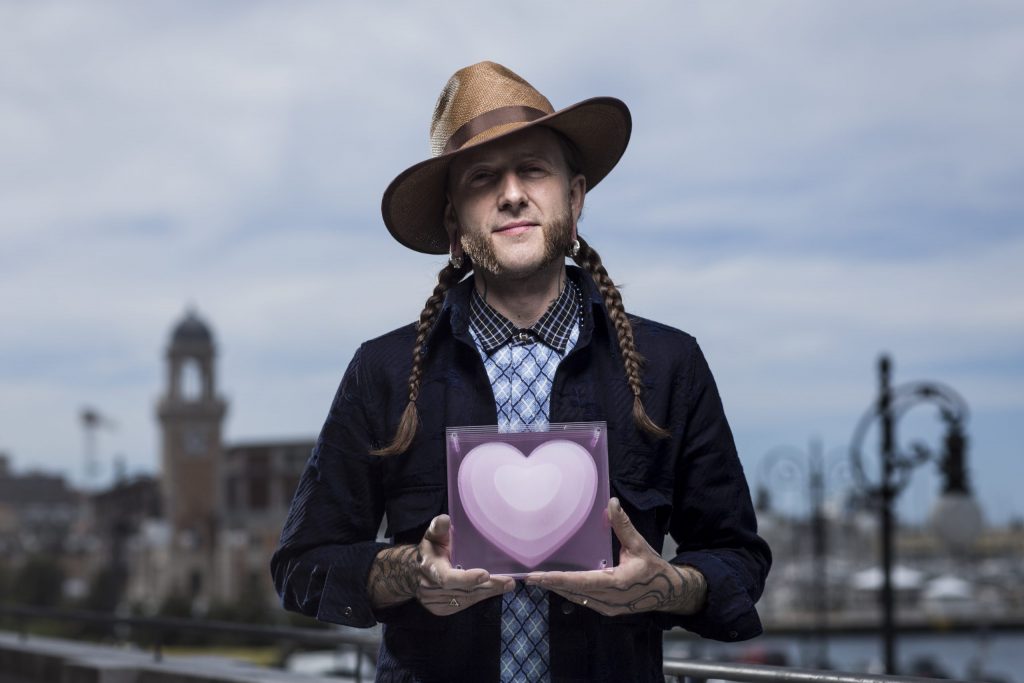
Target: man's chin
{"x": 522, "y": 270}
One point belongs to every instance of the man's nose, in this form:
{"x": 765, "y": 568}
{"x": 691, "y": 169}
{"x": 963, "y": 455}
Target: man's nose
{"x": 511, "y": 193}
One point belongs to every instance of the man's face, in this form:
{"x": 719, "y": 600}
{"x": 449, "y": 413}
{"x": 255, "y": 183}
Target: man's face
{"x": 513, "y": 205}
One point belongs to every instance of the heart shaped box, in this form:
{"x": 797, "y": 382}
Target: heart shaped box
{"x": 529, "y": 501}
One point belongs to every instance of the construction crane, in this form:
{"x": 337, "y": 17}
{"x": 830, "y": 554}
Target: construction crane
{"x": 92, "y": 422}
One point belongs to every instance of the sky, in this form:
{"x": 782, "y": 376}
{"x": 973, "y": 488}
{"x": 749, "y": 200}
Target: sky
{"x": 808, "y": 184}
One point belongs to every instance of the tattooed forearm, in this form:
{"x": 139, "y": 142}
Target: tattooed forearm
{"x": 394, "y": 576}
{"x": 690, "y": 595}
{"x": 681, "y": 590}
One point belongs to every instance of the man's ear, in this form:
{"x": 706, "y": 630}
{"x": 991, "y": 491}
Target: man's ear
{"x": 451, "y": 226}
{"x": 577, "y": 193}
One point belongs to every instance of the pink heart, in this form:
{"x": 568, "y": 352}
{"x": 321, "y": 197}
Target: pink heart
{"x": 528, "y": 506}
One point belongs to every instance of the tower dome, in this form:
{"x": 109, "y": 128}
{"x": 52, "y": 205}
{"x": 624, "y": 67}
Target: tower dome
{"x": 191, "y": 330}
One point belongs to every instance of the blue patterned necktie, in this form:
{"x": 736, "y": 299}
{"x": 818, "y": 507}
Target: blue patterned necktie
{"x": 524, "y": 635}
{"x": 521, "y": 376}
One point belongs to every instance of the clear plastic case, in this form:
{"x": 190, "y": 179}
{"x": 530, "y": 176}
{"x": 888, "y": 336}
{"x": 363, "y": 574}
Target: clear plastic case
{"x": 529, "y": 501}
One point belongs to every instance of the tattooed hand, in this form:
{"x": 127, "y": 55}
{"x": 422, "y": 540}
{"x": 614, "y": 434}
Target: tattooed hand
{"x": 425, "y": 572}
{"x": 643, "y": 581}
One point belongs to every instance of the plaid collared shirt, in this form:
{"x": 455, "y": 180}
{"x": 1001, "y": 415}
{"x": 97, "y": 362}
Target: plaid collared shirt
{"x": 491, "y": 329}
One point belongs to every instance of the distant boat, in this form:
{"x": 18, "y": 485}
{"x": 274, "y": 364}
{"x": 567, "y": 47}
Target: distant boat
{"x": 949, "y": 596}
{"x": 903, "y": 579}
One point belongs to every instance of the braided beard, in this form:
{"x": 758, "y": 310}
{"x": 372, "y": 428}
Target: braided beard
{"x": 557, "y": 238}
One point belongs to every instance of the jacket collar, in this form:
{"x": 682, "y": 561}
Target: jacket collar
{"x": 455, "y": 311}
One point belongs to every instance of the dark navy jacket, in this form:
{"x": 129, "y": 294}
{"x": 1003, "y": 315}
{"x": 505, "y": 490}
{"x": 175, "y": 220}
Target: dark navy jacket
{"x": 690, "y": 485}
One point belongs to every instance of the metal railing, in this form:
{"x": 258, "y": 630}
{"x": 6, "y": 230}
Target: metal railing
{"x": 756, "y": 673}
{"x": 367, "y": 643}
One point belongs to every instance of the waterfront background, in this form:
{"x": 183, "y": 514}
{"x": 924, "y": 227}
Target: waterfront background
{"x": 191, "y": 251}
{"x": 1001, "y": 656}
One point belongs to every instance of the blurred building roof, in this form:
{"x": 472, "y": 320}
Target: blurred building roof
{"x": 34, "y": 489}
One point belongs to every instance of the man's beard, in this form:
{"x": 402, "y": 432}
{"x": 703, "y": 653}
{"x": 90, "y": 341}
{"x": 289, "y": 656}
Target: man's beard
{"x": 557, "y": 238}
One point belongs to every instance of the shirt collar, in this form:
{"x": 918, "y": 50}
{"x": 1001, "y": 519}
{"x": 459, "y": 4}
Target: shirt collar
{"x": 492, "y": 330}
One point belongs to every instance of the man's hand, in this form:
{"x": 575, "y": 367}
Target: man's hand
{"x": 643, "y": 581}
{"x": 425, "y": 572}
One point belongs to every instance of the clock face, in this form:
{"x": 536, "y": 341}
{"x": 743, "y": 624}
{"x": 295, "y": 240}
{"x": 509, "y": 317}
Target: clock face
{"x": 195, "y": 440}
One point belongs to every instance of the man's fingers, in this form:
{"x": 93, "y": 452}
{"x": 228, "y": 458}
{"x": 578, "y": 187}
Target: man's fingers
{"x": 446, "y": 601}
{"x": 467, "y": 578}
{"x": 434, "y": 553}
{"x": 624, "y": 530}
{"x": 439, "y": 530}
{"x": 574, "y": 582}
{"x": 445, "y": 589}
{"x": 497, "y": 585}
{"x": 442, "y": 574}
{"x": 506, "y": 583}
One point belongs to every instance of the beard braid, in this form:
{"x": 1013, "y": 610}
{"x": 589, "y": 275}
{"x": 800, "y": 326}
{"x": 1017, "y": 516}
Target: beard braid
{"x": 557, "y": 238}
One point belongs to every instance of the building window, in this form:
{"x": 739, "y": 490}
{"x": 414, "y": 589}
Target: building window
{"x": 233, "y": 486}
{"x": 259, "y": 493}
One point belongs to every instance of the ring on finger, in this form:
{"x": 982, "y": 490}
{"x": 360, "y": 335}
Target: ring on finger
{"x": 453, "y": 603}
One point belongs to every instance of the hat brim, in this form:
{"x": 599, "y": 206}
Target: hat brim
{"x": 413, "y": 204}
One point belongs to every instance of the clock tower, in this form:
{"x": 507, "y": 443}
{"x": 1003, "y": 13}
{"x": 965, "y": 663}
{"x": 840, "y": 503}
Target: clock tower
{"x": 191, "y": 415}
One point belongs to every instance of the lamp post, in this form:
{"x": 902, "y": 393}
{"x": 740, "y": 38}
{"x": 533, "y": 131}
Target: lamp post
{"x": 892, "y": 404}
{"x": 787, "y": 463}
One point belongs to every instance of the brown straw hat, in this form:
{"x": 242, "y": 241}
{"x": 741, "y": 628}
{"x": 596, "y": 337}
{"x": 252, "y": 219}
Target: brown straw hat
{"x": 479, "y": 104}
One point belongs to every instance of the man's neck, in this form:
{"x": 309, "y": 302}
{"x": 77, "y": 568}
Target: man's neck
{"x": 522, "y": 301}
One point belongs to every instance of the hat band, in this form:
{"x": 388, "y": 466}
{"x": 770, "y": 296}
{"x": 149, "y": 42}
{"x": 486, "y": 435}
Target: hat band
{"x": 495, "y": 117}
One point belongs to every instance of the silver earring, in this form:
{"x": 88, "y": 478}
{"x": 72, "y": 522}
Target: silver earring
{"x": 455, "y": 261}
{"x": 574, "y": 248}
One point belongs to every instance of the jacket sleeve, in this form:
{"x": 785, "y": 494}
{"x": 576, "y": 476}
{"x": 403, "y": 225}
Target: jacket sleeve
{"x": 327, "y": 545}
{"x": 713, "y": 520}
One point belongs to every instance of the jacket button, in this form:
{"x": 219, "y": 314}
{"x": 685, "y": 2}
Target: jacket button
{"x": 348, "y": 611}
{"x": 568, "y": 608}
{"x": 733, "y": 634}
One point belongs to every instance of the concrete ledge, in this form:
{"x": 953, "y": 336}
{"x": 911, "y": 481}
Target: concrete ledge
{"x": 52, "y": 660}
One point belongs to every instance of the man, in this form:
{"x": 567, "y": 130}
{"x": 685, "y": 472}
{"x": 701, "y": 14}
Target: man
{"x": 521, "y": 342}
